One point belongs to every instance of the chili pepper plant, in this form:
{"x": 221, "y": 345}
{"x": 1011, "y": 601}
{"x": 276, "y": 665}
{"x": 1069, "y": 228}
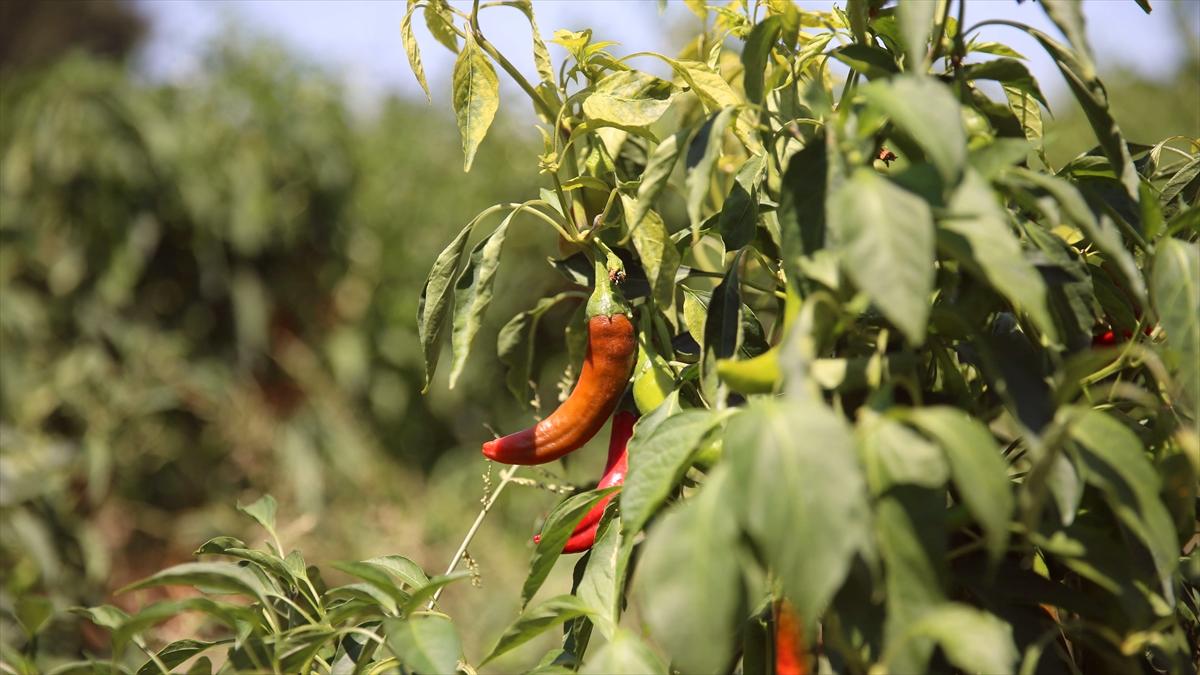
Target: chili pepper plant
{"x": 863, "y": 321}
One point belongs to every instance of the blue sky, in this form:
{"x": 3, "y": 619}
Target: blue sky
{"x": 360, "y": 39}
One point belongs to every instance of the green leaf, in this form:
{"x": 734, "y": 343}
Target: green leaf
{"x": 629, "y": 98}
{"x": 978, "y": 470}
{"x": 412, "y": 49}
{"x": 377, "y": 577}
{"x": 757, "y": 54}
{"x": 1113, "y": 460}
{"x": 33, "y": 612}
{"x": 1102, "y": 232}
{"x": 535, "y": 621}
{"x": 1011, "y": 73}
{"x": 105, "y": 616}
{"x": 1027, "y": 112}
{"x": 977, "y": 233}
{"x": 212, "y": 577}
{"x": 176, "y": 653}
{"x": 427, "y": 590}
{"x": 802, "y": 207}
{"x": 603, "y": 584}
{"x": 796, "y": 481}
{"x": 916, "y": 21}
{"x": 873, "y": 62}
{"x": 972, "y": 640}
{"x": 625, "y": 653}
{"x": 1077, "y": 70}
{"x": 1175, "y": 287}
{"x": 896, "y": 455}
{"x": 657, "y": 252}
{"x": 515, "y": 345}
{"x": 885, "y": 237}
{"x": 739, "y": 213}
{"x": 558, "y": 528}
{"x": 658, "y": 171}
{"x": 424, "y": 643}
{"x": 722, "y": 322}
{"x": 473, "y": 293}
{"x": 263, "y": 512}
{"x": 475, "y": 96}
{"x": 689, "y": 579}
{"x": 1067, "y": 15}
{"x": 228, "y": 614}
{"x": 407, "y": 571}
{"x": 440, "y": 21}
{"x": 541, "y": 55}
{"x": 659, "y": 451}
{"x": 707, "y": 145}
{"x": 928, "y": 112}
{"x": 435, "y": 301}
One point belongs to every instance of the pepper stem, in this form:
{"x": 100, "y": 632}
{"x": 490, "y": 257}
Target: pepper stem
{"x": 607, "y": 299}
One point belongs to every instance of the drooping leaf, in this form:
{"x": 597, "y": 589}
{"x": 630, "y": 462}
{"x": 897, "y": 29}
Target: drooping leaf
{"x": 555, "y": 533}
{"x": 916, "y": 21}
{"x": 885, "y": 236}
{"x": 515, "y": 345}
{"x": 1009, "y": 72}
{"x": 973, "y": 640}
{"x": 412, "y": 49}
{"x": 473, "y": 294}
{"x": 439, "y": 21}
{"x": 1115, "y": 462}
{"x": 816, "y": 493}
{"x": 1175, "y": 287}
{"x": 707, "y": 146}
{"x": 926, "y": 110}
{"x": 739, "y": 213}
{"x": 476, "y": 97}
{"x": 629, "y": 98}
{"x": 658, "y": 170}
{"x": 658, "y": 456}
{"x": 424, "y": 643}
{"x": 537, "y": 620}
{"x": 657, "y": 252}
{"x": 978, "y": 235}
{"x": 756, "y": 55}
{"x": 435, "y": 301}
{"x": 218, "y": 577}
{"x": 873, "y": 62}
{"x": 689, "y": 579}
{"x": 978, "y": 470}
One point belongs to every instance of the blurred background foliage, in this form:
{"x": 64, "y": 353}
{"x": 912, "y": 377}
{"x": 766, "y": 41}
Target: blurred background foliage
{"x": 208, "y": 291}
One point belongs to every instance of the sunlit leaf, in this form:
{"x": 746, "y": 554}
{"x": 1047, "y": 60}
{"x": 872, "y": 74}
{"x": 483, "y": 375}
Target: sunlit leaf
{"x": 1175, "y": 287}
{"x": 476, "y": 97}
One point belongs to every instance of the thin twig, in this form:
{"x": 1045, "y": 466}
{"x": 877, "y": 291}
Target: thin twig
{"x": 505, "y": 479}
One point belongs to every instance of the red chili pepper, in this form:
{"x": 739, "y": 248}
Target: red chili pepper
{"x": 790, "y": 657}
{"x": 615, "y": 469}
{"x": 611, "y": 349}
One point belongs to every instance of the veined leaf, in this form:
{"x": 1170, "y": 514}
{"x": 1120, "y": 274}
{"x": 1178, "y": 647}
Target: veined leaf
{"x": 659, "y": 452}
{"x": 555, "y": 533}
{"x": 535, "y": 621}
{"x": 976, "y": 467}
{"x": 708, "y": 142}
{"x": 515, "y": 344}
{"x": 1009, "y": 72}
{"x": 757, "y": 54}
{"x": 473, "y": 294}
{"x": 739, "y": 213}
{"x": 412, "y": 49}
{"x": 1175, "y": 287}
{"x": 1027, "y": 112}
{"x": 693, "y": 547}
{"x": 927, "y": 111}
{"x": 435, "y": 301}
{"x": 977, "y": 234}
{"x": 657, "y": 252}
{"x": 424, "y": 643}
{"x": 916, "y": 21}
{"x": 885, "y": 237}
{"x": 439, "y": 21}
{"x": 795, "y": 471}
{"x": 476, "y": 97}
{"x": 629, "y": 98}
{"x": 658, "y": 171}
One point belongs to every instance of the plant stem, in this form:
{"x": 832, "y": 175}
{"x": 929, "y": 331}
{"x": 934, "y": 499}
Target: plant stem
{"x": 505, "y": 479}
{"x": 538, "y": 101}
